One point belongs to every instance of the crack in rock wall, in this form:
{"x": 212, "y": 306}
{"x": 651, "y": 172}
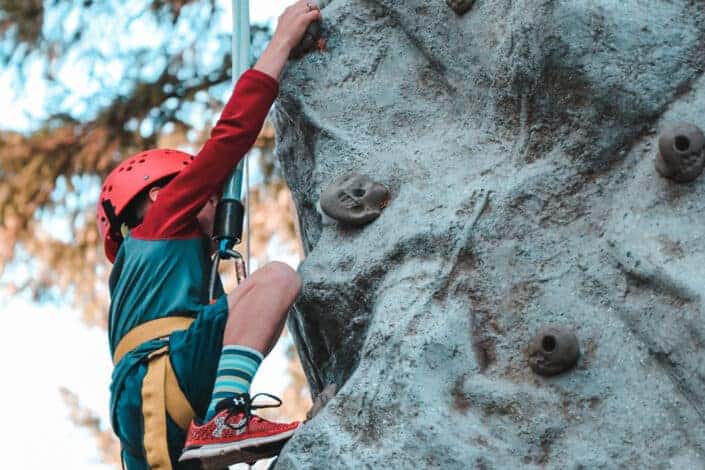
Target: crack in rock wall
{"x": 517, "y": 141}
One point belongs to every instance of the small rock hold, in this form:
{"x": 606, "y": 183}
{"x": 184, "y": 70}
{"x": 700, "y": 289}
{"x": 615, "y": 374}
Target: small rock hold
{"x": 681, "y": 152}
{"x": 553, "y": 350}
{"x": 460, "y": 6}
{"x": 321, "y": 400}
{"x": 310, "y": 41}
{"x": 354, "y": 199}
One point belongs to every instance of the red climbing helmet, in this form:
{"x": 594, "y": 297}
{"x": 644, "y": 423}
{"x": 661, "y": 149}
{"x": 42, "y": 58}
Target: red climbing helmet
{"x": 125, "y": 182}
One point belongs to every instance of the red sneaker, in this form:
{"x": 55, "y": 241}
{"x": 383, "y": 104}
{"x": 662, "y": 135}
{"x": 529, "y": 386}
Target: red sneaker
{"x": 235, "y": 435}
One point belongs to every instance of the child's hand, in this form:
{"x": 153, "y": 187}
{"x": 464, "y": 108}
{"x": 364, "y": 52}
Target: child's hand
{"x": 290, "y": 30}
{"x": 294, "y": 21}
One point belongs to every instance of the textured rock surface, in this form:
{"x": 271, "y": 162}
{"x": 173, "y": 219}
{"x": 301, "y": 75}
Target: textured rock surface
{"x": 518, "y": 142}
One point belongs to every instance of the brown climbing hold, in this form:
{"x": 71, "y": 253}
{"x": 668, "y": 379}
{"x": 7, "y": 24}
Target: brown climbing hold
{"x": 311, "y": 41}
{"x": 681, "y": 152}
{"x": 354, "y": 199}
{"x": 460, "y": 6}
{"x": 553, "y": 350}
{"x": 321, "y": 400}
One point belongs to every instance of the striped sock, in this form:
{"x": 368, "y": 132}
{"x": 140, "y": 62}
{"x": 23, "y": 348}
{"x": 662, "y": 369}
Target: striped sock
{"x": 237, "y": 367}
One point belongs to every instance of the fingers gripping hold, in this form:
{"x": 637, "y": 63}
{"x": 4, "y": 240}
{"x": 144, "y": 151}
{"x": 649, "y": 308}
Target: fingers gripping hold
{"x": 295, "y": 19}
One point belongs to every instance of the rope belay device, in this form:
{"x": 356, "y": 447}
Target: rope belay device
{"x": 230, "y": 212}
{"x": 227, "y": 231}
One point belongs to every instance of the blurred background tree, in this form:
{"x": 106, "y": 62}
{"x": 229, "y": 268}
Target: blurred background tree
{"x": 114, "y": 78}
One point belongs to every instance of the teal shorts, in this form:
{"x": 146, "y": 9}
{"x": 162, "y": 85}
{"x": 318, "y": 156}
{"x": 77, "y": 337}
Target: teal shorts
{"x": 194, "y": 354}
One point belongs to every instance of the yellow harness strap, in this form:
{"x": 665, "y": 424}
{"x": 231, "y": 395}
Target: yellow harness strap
{"x": 161, "y": 393}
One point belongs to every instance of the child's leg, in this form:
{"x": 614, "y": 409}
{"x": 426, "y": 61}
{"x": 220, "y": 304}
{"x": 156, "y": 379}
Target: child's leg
{"x": 257, "y": 312}
{"x": 257, "y": 309}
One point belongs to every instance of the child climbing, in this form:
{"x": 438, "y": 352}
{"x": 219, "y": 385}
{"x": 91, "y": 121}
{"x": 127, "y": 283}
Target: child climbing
{"x": 180, "y": 393}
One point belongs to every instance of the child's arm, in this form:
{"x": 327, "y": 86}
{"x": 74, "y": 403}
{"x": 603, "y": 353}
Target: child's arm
{"x": 173, "y": 212}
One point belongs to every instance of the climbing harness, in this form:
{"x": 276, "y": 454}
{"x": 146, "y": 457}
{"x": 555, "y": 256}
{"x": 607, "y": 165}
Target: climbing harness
{"x": 230, "y": 211}
{"x": 161, "y": 394}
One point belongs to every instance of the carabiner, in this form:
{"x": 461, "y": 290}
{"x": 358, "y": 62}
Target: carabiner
{"x": 240, "y": 269}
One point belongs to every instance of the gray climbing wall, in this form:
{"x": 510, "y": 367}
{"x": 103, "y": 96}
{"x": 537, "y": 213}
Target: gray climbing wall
{"x": 518, "y": 143}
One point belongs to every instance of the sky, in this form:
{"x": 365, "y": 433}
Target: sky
{"x": 45, "y": 347}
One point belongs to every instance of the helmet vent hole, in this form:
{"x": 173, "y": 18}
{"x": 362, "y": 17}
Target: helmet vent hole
{"x": 192, "y": 157}
{"x": 102, "y": 219}
{"x": 185, "y": 162}
{"x": 129, "y": 168}
{"x": 110, "y": 188}
{"x": 141, "y": 160}
{"x": 121, "y": 169}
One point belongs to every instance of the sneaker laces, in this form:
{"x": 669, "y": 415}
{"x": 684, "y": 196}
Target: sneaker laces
{"x": 243, "y": 403}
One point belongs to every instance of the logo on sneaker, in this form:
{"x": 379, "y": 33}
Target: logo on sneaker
{"x": 239, "y": 401}
{"x": 221, "y": 425}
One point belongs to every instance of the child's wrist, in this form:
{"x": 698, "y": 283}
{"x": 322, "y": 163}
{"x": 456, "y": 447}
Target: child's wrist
{"x": 280, "y": 45}
{"x": 274, "y": 58}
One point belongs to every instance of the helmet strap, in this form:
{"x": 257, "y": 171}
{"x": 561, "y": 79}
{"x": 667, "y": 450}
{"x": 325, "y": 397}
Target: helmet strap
{"x": 114, "y": 220}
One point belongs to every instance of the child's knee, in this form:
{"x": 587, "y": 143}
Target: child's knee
{"x": 283, "y": 278}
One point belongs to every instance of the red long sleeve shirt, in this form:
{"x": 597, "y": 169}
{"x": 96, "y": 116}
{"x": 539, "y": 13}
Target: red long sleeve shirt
{"x": 173, "y": 213}
{"x": 162, "y": 266}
